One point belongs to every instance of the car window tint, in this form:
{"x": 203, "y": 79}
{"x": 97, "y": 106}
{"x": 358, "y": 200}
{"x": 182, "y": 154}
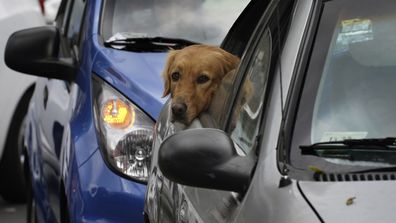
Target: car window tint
{"x": 75, "y": 21}
{"x": 246, "y": 114}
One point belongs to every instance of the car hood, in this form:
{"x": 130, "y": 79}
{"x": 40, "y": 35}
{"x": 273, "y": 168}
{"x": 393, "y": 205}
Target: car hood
{"x": 136, "y": 75}
{"x": 364, "y": 201}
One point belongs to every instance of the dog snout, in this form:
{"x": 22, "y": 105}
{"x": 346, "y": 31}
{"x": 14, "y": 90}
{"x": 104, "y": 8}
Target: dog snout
{"x": 179, "y": 109}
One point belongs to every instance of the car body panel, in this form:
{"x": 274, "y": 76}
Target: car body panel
{"x": 265, "y": 191}
{"x": 362, "y": 201}
{"x": 118, "y": 200}
{"x": 129, "y": 71}
{"x": 32, "y": 140}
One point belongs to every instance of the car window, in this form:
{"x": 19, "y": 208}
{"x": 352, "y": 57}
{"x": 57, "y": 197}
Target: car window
{"x": 248, "y": 107}
{"x": 349, "y": 88}
{"x": 202, "y": 21}
{"x": 63, "y": 15}
{"x": 75, "y": 21}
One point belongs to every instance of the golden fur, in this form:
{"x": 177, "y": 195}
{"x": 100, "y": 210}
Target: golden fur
{"x": 192, "y": 76}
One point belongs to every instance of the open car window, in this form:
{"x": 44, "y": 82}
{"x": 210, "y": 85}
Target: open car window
{"x": 247, "y": 110}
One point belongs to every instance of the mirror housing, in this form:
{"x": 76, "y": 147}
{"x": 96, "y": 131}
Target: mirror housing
{"x": 35, "y": 51}
{"x": 205, "y": 158}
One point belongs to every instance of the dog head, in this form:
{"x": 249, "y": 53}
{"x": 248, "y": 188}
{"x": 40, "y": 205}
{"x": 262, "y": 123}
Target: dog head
{"x": 192, "y": 76}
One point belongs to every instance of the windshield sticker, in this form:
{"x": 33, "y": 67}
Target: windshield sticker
{"x": 339, "y": 136}
{"x": 354, "y": 31}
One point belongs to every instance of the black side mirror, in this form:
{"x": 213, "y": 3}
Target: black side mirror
{"x": 36, "y": 51}
{"x": 205, "y": 158}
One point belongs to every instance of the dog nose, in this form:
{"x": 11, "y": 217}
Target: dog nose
{"x": 179, "y": 109}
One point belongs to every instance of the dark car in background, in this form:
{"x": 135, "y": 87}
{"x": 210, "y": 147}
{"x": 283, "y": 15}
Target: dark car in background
{"x": 90, "y": 120}
{"x": 316, "y": 140}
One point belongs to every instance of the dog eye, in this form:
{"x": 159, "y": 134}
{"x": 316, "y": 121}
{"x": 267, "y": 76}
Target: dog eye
{"x": 202, "y": 79}
{"x": 175, "y": 76}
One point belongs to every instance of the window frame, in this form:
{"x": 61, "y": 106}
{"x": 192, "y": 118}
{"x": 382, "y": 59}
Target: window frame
{"x": 270, "y": 73}
{"x": 294, "y": 95}
{"x": 69, "y": 49}
{"x": 296, "y": 85}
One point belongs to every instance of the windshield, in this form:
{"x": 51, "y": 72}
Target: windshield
{"x": 350, "y": 86}
{"x": 201, "y": 21}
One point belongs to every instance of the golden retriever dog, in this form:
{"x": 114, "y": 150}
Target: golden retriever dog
{"x": 192, "y": 76}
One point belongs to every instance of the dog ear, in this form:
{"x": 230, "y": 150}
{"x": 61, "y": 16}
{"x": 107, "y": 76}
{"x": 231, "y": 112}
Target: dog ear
{"x": 166, "y": 72}
{"x": 230, "y": 61}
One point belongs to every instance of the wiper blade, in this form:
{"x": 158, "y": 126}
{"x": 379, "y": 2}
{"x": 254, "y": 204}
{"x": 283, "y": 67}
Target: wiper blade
{"x": 344, "y": 148}
{"x": 148, "y": 43}
{"x": 378, "y": 170}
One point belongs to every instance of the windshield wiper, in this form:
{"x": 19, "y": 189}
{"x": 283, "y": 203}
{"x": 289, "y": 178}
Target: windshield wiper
{"x": 144, "y": 44}
{"x": 346, "y": 148}
{"x": 378, "y": 170}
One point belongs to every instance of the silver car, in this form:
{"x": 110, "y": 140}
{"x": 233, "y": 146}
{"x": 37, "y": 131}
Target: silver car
{"x": 316, "y": 140}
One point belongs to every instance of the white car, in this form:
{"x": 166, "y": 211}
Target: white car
{"x": 15, "y": 93}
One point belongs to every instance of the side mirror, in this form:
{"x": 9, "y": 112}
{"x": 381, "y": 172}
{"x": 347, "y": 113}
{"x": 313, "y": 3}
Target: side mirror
{"x": 205, "y": 158}
{"x": 35, "y": 51}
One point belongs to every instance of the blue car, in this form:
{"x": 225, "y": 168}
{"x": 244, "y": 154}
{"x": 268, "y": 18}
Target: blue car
{"x": 90, "y": 120}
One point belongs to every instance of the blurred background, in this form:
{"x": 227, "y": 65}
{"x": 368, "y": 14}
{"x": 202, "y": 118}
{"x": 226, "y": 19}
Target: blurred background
{"x": 15, "y": 93}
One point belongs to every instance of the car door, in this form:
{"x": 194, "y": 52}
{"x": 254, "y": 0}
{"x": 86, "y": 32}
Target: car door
{"x": 242, "y": 119}
{"x": 56, "y": 100}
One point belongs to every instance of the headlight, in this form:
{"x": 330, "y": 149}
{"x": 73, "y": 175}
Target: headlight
{"x": 125, "y": 131}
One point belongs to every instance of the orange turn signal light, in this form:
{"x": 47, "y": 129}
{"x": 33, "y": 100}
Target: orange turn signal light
{"x": 117, "y": 114}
